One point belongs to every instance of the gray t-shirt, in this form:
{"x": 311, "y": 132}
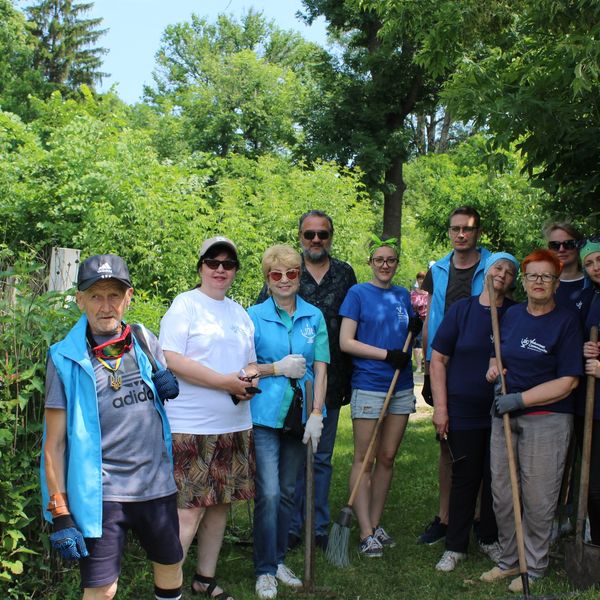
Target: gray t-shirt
{"x": 135, "y": 462}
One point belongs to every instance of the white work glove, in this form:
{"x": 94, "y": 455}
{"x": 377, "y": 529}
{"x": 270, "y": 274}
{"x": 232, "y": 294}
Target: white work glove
{"x": 313, "y": 430}
{"x": 292, "y": 366}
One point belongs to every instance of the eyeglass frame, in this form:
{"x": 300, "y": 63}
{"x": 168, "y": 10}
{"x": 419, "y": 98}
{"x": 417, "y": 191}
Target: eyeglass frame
{"x": 384, "y": 261}
{"x": 280, "y": 275}
{"x": 573, "y": 244}
{"x": 466, "y": 229}
{"x": 539, "y": 277}
{"x": 228, "y": 264}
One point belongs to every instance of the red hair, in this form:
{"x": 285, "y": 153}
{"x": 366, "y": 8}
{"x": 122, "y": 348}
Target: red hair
{"x": 542, "y": 255}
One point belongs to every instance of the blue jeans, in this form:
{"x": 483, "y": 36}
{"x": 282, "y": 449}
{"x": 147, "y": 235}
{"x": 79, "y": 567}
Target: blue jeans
{"x": 323, "y": 470}
{"x": 278, "y": 459}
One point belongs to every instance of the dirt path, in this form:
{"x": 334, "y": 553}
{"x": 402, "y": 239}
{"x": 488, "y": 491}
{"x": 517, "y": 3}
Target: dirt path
{"x": 424, "y": 411}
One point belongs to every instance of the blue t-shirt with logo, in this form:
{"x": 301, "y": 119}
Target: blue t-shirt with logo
{"x": 382, "y": 320}
{"x": 465, "y": 335}
{"x": 537, "y": 349}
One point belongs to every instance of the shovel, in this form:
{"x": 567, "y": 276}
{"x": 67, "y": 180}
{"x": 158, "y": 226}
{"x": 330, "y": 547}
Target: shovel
{"x": 582, "y": 560}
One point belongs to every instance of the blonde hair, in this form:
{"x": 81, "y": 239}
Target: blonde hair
{"x": 282, "y": 256}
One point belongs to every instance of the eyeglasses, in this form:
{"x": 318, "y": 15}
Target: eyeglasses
{"x": 113, "y": 348}
{"x": 468, "y": 229}
{"x": 213, "y": 264}
{"x": 545, "y": 277}
{"x": 379, "y": 261}
{"x": 567, "y": 245}
{"x": 322, "y": 234}
{"x": 291, "y": 274}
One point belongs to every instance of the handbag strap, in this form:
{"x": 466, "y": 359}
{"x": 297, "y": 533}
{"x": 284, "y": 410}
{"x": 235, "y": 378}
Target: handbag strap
{"x": 140, "y": 336}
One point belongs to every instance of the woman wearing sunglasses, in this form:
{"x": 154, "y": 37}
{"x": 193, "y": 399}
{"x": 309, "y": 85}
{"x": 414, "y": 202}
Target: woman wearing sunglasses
{"x": 563, "y": 240}
{"x": 374, "y": 328}
{"x": 208, "y": 341}
{"x": 292, "y": 348}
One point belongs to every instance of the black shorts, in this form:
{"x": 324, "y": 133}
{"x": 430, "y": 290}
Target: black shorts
{"x": 155, "y": 524}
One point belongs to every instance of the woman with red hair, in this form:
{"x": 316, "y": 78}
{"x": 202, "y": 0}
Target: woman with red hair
{"x": 541, "y": 354}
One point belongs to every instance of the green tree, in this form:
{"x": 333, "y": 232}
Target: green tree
{"x": 238, "y": 86}
{"x": 538, "y": 85}
{"x": 65, "y": 49}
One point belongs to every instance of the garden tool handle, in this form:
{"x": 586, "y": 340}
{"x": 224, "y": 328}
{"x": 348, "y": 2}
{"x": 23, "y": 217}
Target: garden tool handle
{"x": 384, "y": 408}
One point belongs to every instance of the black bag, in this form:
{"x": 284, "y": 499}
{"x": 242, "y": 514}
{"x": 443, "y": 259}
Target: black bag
{"x": 292, "y": 424}
{"x": 164, "y": 380}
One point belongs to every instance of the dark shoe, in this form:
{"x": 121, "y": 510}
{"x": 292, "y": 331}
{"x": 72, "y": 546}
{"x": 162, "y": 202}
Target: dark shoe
{"x": 321, "y": 541}
{"x": 434, "y": 532}
{"x": 370, "y": 547}
{"x": 293, "y": 541}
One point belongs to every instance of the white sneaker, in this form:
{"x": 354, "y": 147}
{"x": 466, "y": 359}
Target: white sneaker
{"x": 449, "y": 560}
{"x": 287, "y": 577}
{"x": 266, "y": 586}
{"x": 492, "y": 551}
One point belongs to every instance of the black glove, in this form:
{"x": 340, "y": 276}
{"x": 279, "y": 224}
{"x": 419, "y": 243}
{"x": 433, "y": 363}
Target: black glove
{"x": 166, "y": 384}
{"x": 426, "y": 393}
{"x": 397, "y": 358}
{"x": 509, "y": 402}
{"x": 67, "y": 539}
{"x": 415, "y": 325}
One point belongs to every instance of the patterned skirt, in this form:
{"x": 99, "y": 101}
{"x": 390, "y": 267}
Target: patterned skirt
{"x": 213, "y": 469}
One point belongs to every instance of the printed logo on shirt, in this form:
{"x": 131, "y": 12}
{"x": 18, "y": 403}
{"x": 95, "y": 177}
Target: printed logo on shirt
{"x": 138, "y": 392}
{"x": 239, "y": 329}
{"x": 401, "y": 313}
{"x": 579, "y": 305}
{"x": 309, "y": 334}
{"x": 533, "y": 345}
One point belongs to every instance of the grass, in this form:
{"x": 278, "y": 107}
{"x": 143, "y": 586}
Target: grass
{"x": 406, "y": 571}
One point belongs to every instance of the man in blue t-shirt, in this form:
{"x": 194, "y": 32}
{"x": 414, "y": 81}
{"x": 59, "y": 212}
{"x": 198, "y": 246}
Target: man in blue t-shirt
{"x": 457, "y": 275}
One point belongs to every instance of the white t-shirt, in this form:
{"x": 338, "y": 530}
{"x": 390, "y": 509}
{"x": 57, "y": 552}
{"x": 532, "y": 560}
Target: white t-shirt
{"x": 220, "y": 335}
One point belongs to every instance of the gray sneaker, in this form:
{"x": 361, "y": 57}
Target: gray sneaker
{"x": 383, "y": 537}
{"x": 370, "y": 547}
{"x": 493, "y": 551}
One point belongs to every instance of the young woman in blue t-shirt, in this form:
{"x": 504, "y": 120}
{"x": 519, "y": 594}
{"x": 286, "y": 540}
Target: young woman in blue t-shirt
{"x": 374, "y": 328}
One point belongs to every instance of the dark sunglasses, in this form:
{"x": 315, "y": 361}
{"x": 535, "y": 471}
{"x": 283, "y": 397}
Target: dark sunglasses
{"x": 322, "y": 234}
{"x": 567, "y": 245}
{"x": 213, "y": 264}
{"x": 113, "y": 348}
{"x": 291, "y": 274}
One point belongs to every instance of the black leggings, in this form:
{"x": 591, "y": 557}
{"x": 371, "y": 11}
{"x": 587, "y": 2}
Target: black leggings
{"x": 470, "y": 471}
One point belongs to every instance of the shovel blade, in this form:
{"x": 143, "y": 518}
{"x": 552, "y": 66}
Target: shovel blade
{"x": 582, "y": 563}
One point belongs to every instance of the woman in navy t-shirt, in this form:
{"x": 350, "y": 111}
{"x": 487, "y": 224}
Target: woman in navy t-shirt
{"x": 541, "y": 353}
{"x": 373, "y": 330}
{"x": 589, "y": 305}
{"x": 462, "y": 399}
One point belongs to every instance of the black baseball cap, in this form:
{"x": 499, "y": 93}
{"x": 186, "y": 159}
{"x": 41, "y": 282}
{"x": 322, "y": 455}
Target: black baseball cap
{"x": 99, "y": 267}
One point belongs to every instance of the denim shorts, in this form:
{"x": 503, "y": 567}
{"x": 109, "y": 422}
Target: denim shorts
{"x": 156, "y": 525}
{"x": 367, "y": 405}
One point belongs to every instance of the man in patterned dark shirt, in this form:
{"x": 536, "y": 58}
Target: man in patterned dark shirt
{"x": 324, "y": 282}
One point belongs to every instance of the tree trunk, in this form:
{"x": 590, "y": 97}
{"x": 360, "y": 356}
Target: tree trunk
{"x": 442, "y": 144}
{"x": 392, "y": 200}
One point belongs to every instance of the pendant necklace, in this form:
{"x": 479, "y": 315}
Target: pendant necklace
{"x": 116, "y": 381}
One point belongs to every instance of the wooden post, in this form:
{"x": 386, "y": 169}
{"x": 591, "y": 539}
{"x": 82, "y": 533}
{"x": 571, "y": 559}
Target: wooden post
{"x": 64, "y": 264}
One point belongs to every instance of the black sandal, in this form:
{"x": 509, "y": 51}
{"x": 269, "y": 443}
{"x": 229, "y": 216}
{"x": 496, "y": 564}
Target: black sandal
{"x": 211, "y": 586}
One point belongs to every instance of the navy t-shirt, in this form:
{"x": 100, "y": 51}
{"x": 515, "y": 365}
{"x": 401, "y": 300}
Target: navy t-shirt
{"x": 537, "y": 349}
{"x": 588, "y": 304}
{"x": 382, "y": 320}
{"x": 465, "y": 335}
{"x": 568, "y": 292}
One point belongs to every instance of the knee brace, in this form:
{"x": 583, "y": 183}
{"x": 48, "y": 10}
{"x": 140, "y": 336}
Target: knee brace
{"x": 172, "y": 594}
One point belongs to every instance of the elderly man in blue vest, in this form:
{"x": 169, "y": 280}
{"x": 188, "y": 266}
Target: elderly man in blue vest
{"x": 106, "y": 458}
{"x": 457, "y": 275}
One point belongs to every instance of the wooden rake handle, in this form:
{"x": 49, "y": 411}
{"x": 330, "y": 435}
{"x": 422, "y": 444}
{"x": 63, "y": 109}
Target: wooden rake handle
{"x": 384, "y": 408}
{"x": 584, "y": 477}
{"x": 512, "y": 467}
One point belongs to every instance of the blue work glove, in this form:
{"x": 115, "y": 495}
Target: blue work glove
{"x": 509, "y": 402}
{"x": 67, "y": 539}
{"x": 397, "y": 358}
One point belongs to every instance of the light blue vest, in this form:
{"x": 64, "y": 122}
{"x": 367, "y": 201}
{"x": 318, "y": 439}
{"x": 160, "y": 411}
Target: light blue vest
{"x": 440, "y": 272}
{"x": 272, "y": 343}
{"x": 83, "y": 459}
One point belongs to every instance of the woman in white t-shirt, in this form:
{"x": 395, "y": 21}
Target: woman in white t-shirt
{"x": 208, "y": 342}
